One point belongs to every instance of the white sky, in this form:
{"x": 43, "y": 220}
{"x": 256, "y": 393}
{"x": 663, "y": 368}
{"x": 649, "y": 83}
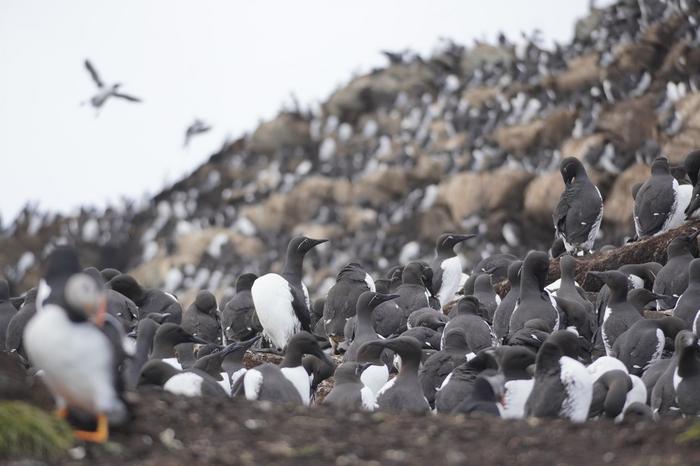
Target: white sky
{"x": 231, "y": 63}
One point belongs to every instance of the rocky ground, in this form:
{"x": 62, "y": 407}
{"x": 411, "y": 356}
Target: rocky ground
{"x": 168, "y": 430}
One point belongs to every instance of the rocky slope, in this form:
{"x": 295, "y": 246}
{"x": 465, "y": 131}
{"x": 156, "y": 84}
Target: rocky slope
{"x": 468, "y": 139}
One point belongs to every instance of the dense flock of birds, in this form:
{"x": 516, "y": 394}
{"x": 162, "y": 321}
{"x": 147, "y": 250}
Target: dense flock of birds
{"x": 425, "y": 337}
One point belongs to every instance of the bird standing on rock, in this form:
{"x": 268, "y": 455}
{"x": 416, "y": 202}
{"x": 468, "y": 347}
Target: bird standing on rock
{"x": 578, "y": 215}
{"x": 282, "y": 300}
{"x": 656, "y": 201}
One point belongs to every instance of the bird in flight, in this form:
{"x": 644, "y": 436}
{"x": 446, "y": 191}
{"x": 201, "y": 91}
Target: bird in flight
{"x": 104, "y": 92}
{"x": 197, "y": 127}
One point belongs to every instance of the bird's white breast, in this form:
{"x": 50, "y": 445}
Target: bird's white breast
{"x": 185, "y": 383}
{"x": 374, "y": 377}
{"x": 300, "y": 379}
{"x": 272, "y": 298}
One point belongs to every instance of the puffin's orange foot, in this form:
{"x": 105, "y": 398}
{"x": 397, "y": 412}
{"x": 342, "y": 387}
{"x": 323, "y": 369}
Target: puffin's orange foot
{"x": 100, "y": 435}
{"x": 61, "y": 412}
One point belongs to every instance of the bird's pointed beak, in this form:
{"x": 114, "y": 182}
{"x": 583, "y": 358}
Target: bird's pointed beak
{"x": 461, "y": 238}
{"x": 316, "y": 242}
{"x": 242, "y": 344}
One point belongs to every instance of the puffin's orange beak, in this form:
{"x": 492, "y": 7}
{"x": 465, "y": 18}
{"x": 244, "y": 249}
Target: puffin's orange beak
{"x": 99, "y": 318}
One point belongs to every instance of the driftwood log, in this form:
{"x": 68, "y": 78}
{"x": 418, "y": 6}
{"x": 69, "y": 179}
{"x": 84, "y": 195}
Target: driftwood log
{"x": 651, "y": 249}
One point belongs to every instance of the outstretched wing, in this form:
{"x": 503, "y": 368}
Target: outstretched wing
{"x": 93, "y": 73}
{"x": 126, "y": 97}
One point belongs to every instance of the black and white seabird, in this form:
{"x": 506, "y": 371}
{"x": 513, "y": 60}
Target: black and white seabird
{"x": 563, "y": 387}
{"x": 501, "y": 317}
{"x": 688, "y": 302}
{"x": 692, "y": 168}
{"x": 656, "y": 202}
{"x": 364, "y": 328}
{"x": 318, "y": 370}
{"x": 429, "y": 339}
{"x": 195, "y": 128}
{"x": 514, "y": 365}
{"x": 477, "y": 331}
{"x": 686, "y": 378}
{"x": 213, "y": 363}
{"x": 167, "y": 337}
{"x": 149, "y": 300}
{"x": 79, "y": 360}
{"x": 619, "y": 314}
{"x": 348, "y": 390}
{"x": 663, "y": 395}
{"x": 485, "y": 397}
{"x": 145, "y": 333}
{"x": 531, "y": 336}
{"x": 488, "y": 298}
{"x": 282, "y": 301}
{"x": 459, "y": 383}
{"x": 496, "y": 265}
{"x": 391, "y": 318}
{"x": 403, "y": 393}
{"x": 578, "y": 215}
{"x": 644, "y": 342}
{"x": 7, "y": 311}
{"x": 341, "y": 302}
{"x": 190, "y": 382}
{"x": 534, "y": 301}
{"x": 377, "y": 358}
{"x": 438, "y": 366}
{"x": 427, "y": 317}
{"x": 238, "y": 318}
{"x": 105, "y": 91}
{"x": 447, "y": 267}
{"x": 672, "y": 279}
{"x": 613, "y": 392}
{"x": 289, "y": 382}
{"x": 15, "y": 328}
{"x": 201, "y": 319}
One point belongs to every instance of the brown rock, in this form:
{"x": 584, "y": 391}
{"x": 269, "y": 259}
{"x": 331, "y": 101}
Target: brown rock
{"x": 632, "y": 58}
{"x": 557, "y": 127}
{"x": 428, "y": 169}
{"x": 288, "y": 130}
{"x": 381, "y": 186}
{"x": 630, "y": 123}
{"x": 485, "y": 54}
{"x": 581, "y": 72}
{"x": 357, "y": 218}
{"x": 478, "y": 96}
{"x": 542, "y": 196}
{"x": 579, "y": 147}
{"x": 434, "y": 222}
{"x": 688, "y": 139}
{"x": 519, "y": 139}
{"x": 469, "y": 193}
{"x": 619, "y": 203}
{"x": 315, "y": 230}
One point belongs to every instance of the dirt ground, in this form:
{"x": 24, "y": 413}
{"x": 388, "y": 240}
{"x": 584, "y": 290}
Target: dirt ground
{"x": 168, "y": 430}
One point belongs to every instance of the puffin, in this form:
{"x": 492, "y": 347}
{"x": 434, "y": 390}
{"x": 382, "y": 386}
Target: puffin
{"x": 349, "y": 393}
{"x": 501, "y": 316}
{"x": 672, "y": 279}
{"x": 579, "y": 212}
{"x": 656, "y": 201}
{"x": 403, "y": 393}
{"x": 447, "y": 267}
{"x": 80, "y": 362}
{"x": 563, "y": 386}
{"x": 238, "y": 317}
{"x": 282, "y": 300}
{"x": 534, "y": 301}
{"x": 341, "y": 301}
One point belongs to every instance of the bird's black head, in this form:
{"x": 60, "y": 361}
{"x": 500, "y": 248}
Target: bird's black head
{"x": 536, "y": 264}
{"x": 566, "y": 341}
{"x": 414, "y": 274}
{"x": 61, "y": 262}
{"x": 483, "y": 283}
{"x": 660, "y": 166}
{"x": 447, "y": 241}
{"x": 245, "y": 281}
{"x": 455, "y": 339}
{"x": 692, "y": 166}
{"x": 571, "y": 168}
{"x": 640, "y": 297}
{"x": 174, "y": 334}
{"x": 370, "y": 300}
{"x": 468, "y": 305}
{"x": 615, "y": 279}
{"x": 95, "y": 274}
{"x": 407, "y": 347}
{"x": 682, "y": 245}
{"x": 109, "y": 273}
{"x": 671, "y": 326}
{"x": 514, "y": 272}
{"x": 155, "y": 373}
{"x": 128, "y": 286}
{"x": 685, "y": 339}
{"x": 567, "y": 265}
{"x": 206, "y": 302}
{"x": 305, "y": 343}
{"x": 349, "y": 372}
{"x": 300, "y": 245}
{"x": 515, "y": 360}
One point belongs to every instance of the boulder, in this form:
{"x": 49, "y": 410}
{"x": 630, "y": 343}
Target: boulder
{"x": 381, "y": 186}
{"x": 579, "y": 147}
{"x": 630, "y": 123}
{"x": 581, "y": 72}
{"x": 619, "y": 203}
{"x": 485, "y": 54}
{"x": 688, "y": 138}
{"x": 519, "y": 139}
{"x": 557, "y": 127}
{"x": 542, "y": 196}
{"x": 287, "y": 131}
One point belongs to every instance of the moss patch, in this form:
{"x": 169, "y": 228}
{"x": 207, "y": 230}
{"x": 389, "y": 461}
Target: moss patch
{"x": 31, "y": 432}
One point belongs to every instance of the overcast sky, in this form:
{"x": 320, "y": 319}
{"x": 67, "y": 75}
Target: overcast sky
{"x": 231, "y": 63}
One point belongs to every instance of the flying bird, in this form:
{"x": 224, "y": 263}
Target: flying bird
{"x": 105, "y": 91}
{"x": 197, "y": 127}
